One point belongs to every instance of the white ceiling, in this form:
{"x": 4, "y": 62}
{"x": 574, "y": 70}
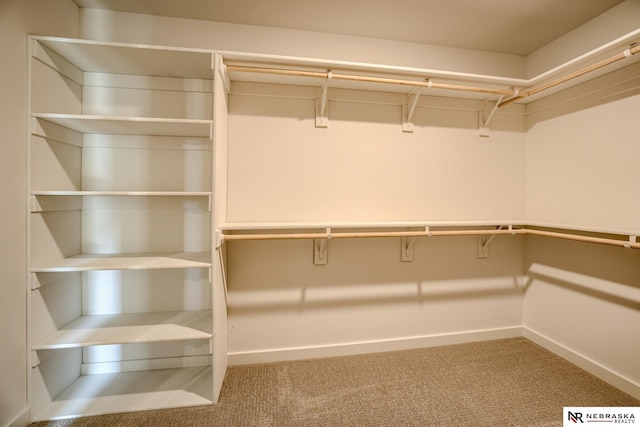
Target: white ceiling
{"x": 507, "y": 26}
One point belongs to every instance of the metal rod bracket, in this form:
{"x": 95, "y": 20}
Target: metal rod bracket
{"x": 486, "y": 119}
{"x": 219, "y": 239}
{"x": 320, "y": 251}
{"x": 410, "y": 107}
{"x": 406, "y": 253}
{"x": 631, "y": 242}
{"x": 322, "y": 106}
{"x": 483, "y": 246}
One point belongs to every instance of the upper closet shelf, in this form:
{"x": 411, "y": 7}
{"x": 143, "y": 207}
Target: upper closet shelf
{"x": 115, "y": 125}
{"x": 127, "y": 58}
{"x": 606, "y": 58}
{"x": 87, "y": 262}
{"x": 248, "y": 226}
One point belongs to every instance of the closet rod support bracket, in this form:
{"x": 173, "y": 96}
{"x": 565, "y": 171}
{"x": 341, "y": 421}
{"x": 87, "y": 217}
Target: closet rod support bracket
{"x": 632, "y": 242}
{"x": 483, "y": 246}
{"x": 485, "y": 119}
{"x": 218, "y": 239}
{"x": 320, "y": 251}
{"x": 322, "y": 105}
{"x": 410, "y": 107}
{"x": 407, "y": 244}
{"x": 484, "y": 241}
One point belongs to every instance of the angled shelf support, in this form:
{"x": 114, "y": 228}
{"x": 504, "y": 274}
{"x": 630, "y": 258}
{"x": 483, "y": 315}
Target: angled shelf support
{"x": 218, "y": 239}
{"x": 321, "y": 249}
{"x": 486, "y": 119}
{"x": 407, "y": 244}
{"x": 485, "y": 240}
{"x": 217, "y": 64}
{"x": 322, "y": 107}
{"x": 410, "y": 107}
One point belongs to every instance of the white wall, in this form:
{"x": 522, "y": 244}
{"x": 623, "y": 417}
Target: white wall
{"x": 363, "y": 167}
{"x": 583, "y": 300}
{"x": 281, "y": 306}
{"x": 128, "y": 27}
{"x": 614, "y": 23}
{"x": 281, "y": 168}
{"x": 17, "y": 19}
{"x": 582, "y": 152}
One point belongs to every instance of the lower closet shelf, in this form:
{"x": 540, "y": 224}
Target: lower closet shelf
{"x": 132, "y": 391}
{"x": 96, "y": 262}
{"x": 130, "y": 328}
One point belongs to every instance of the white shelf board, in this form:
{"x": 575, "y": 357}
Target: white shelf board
{"x": 122, "y": 193}
{"x": 94, "y": 262}
{"x": 132, "y": 391}
{"x": 287, "y": 226}
{"x": 117, "y": 125}
{"x": 247, "y": 226}
{"x": 128, "y": 58}
{"x": 586, "y": 229}
{"x": 130, "y": 328}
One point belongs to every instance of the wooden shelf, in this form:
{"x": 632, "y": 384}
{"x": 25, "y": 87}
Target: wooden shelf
{"x": 131, "y": 391}
{"x": 127, "y": 58}
{"x": 130, "y": 328}
{"x": 94, "y": 262}
{"x": 116, "y": 125}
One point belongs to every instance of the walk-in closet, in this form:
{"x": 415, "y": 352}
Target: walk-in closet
{"x": 184, "y": 194}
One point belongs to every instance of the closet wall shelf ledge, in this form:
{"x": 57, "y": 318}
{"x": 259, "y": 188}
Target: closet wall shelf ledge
{"x": 285, "y": 232}
{"x": 309, "y": 225}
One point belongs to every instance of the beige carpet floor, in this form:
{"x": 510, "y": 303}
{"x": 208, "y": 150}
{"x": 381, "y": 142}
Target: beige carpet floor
{"x": 511, "y": 382}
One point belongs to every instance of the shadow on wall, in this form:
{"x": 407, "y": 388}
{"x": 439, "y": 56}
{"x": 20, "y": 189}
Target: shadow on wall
{"x": 611, "y": 87}
{"x": 608, "y": 273}
{"x": 280, "y": 275}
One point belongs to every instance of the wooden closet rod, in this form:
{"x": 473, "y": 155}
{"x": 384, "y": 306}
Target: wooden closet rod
{"x": 351, "y": 77}
{"x": 367, "y": 234}
{"x": 578, "y": 237}
{"x": 615, "y": 58}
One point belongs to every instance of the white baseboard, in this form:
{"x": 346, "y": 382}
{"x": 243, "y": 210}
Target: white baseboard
{"x": 615, "y": 379}
{"x": 301, "y": 353}
{"x": 21, "y": 420}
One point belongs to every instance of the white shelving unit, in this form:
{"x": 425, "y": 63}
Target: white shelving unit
{"x": 120, "y": 218}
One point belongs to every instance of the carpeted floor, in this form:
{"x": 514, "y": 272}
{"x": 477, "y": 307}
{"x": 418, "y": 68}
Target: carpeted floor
{"x": 511, "y": 382}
